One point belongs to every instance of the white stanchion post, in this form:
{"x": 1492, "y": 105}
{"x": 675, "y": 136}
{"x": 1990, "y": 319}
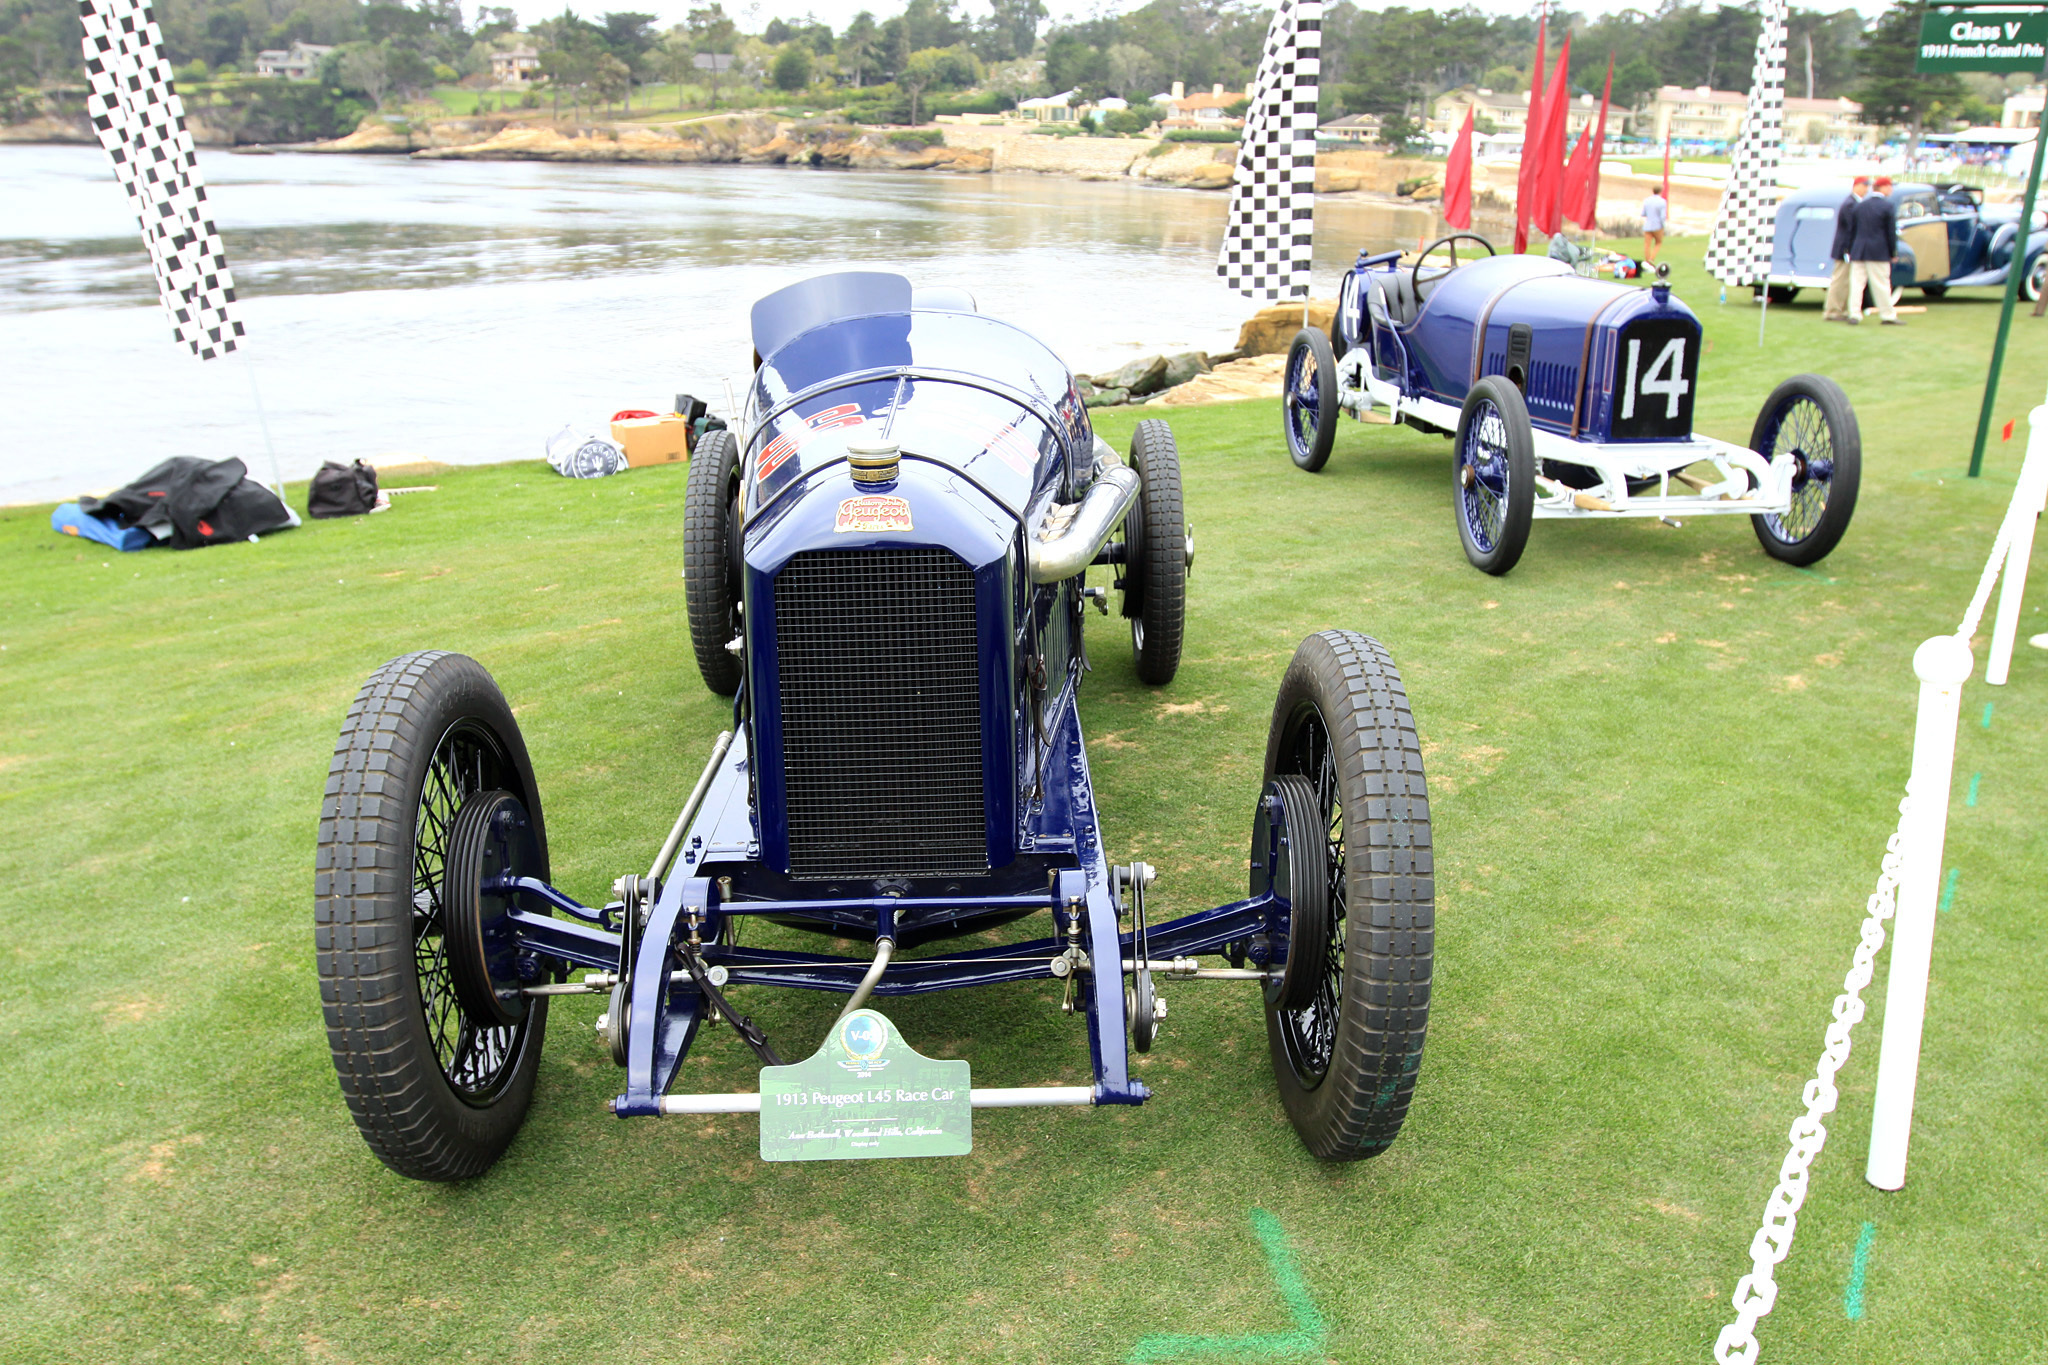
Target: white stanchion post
{"x": 1943, "y": 665}
{"x": 2028, "y": 500}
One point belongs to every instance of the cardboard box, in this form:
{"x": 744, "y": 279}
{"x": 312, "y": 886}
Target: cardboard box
{"x": 653, "y": 440}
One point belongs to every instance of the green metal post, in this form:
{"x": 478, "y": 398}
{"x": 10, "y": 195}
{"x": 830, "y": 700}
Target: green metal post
{"x": 2012, "y": 289}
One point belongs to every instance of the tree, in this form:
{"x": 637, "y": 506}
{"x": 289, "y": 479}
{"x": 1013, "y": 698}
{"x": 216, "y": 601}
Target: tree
{"x": 937, "y": 67}
{"x": 363, "y": 68}
{"x": 410, "y": 73}
{"x": 1891, "y": 92}
{"x": 1018, "y": 21}
{"x": 792, "y": 69}
{"x": 1131, "y": 70}
{"x": 859, "y": 51}
{"x": 610, "y": 78}
{"x": 711, "y": 35}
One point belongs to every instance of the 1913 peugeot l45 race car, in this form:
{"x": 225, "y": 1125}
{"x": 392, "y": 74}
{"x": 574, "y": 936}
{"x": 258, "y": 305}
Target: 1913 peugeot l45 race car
{"x": 887, "y": 567}
{"x": 1565, "y": 397}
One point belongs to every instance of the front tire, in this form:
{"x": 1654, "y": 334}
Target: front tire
{"x": 1933, "y": 291}
{"x": 1153, "y": 578}
{"x": 711, "y": 563}
{"x": 436, "y": 1093}
{"x": 1494, "y": 475}
{"x": 1308, "y": 400}
{"x": 2036, "y": 278}
{"x": 1809, "y": 418}
{"x": 1346, "y": 1061}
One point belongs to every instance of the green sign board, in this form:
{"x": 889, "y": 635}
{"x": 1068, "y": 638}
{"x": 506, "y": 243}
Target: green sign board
{"x": 865, "y": 1093}
{"x": 1983, "y": 38}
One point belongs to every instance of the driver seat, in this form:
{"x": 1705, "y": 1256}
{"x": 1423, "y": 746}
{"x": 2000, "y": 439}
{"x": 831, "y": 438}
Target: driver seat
{"x": 1393, "y": 299}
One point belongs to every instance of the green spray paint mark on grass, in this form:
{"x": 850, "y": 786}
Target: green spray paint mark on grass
{"x": 1859, "y": 1265}
{"x": 1987, "y": 715}
{"x": 1948, "y": 888}
{"x": 1971, "y": 799}
{"x": 1307, "y": 1339}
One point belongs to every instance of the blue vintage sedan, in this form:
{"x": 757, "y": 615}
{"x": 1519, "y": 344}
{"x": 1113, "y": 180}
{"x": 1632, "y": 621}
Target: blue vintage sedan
{"x": 1948, "y": 238}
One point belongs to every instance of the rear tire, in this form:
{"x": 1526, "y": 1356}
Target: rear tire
{"x": 711, "y": 565}
{"x": 1809, "y": 416}
{"x": 1933, "y": 291}
{"x": 1346, "y": 1063}
{"x": 436, "y": 1094}
{"x": 1493, "y": 486}
{"x": 1308, "y": 400}
{"x": 1154, "y": 578}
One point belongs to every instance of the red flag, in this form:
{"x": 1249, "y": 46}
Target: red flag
{"x": 1547, "y": 213}
{"x": 1575, "y": 170}
{"x": 1667, "y": 166}
{"x": 1586, "y": 208}
{"x": 1527, "y": 176}
{"x": 1458, "y": 178}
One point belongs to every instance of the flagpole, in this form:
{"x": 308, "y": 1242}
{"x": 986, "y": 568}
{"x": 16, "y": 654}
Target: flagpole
{"x": 263, "y": 424}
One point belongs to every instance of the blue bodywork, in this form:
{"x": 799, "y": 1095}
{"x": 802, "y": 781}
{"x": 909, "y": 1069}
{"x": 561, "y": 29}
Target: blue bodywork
{"x": 1563, "y": 339}
{"x": 991, "y": 430}
{"x": 1948, "y": 237}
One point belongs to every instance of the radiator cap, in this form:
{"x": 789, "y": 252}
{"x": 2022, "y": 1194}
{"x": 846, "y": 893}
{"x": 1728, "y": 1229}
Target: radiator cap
{"x": 872, "y": 461}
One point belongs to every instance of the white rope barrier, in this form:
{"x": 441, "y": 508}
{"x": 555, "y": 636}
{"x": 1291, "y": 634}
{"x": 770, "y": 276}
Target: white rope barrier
{"x": 1907, "y": 885}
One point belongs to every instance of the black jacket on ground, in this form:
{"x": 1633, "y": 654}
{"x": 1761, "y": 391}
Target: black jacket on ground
{"x": 1874, "y": 230}
{"x": 1844, "y": 228}
{"x": 186, "y": 502}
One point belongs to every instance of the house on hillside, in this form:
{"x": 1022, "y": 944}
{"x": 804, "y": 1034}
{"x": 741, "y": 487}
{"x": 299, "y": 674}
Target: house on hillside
{"x": 1201, "y": 111}
{"x": 1703, "y": 114}
{"x": 299, "y": 62}
{"x": 1351, "y": 128}
{"x": 515, "y": 67}
{"x": 1058, "y": 108}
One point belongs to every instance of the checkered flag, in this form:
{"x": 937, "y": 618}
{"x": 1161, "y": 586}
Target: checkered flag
{"x": 1268, "y": 243}
{"x": 141, "y": 123}
{"x": 1746, "y": 224}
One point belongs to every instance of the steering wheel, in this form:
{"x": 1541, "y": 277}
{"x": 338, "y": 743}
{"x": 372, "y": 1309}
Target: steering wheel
{"x": 1451, "y": 242}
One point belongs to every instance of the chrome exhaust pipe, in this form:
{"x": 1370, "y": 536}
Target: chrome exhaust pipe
{"x": 1067, "y": 539}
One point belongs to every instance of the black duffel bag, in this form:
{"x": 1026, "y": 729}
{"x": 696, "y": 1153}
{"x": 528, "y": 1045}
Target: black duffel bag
{"x": 186, "y": 503}
{"x": 340, "y": 490}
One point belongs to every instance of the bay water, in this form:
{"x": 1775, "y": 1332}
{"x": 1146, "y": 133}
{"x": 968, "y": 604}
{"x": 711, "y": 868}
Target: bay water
{"x": 466, "y": 311}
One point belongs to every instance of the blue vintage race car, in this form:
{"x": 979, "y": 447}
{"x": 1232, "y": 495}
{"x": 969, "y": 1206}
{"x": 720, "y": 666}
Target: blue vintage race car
{"x": 1566, "y": 397}
{"x": 1948, "y": 238}
{"x": 887, "y": 567}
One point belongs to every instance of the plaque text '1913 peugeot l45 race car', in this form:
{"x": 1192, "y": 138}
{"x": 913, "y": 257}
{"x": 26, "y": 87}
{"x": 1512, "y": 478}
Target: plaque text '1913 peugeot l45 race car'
{"x": 887, "y": 568}
{"x": 1565, "y": 397}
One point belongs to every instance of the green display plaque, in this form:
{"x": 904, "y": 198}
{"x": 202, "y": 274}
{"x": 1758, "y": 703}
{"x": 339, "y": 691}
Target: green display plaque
{"x": 865, "y": 1093}
{"x": 1983, "y": 38}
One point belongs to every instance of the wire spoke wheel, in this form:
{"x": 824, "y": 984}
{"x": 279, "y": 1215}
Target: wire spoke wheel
{"x": 1808, "y": 424}
{"x": 1309, "y": 1032}
{"x": 1483, "y": 493}
{"x": 1308, "y": 406}
{"x": 475, "y": 1059}
{"x": 436, "y": 1092}
{"x": 1493, "y": 484}
{"x": 1345, "y": 1024}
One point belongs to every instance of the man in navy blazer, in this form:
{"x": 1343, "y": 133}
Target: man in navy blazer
{"x": 1837, "y": 309}
{"x": 1873, "y": 237}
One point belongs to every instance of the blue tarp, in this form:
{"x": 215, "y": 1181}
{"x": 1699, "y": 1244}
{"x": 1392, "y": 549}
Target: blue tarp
{"x": 72, "y": 522}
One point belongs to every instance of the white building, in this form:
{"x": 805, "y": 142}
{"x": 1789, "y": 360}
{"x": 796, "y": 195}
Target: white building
{"x": 516, "y": 67}
{"x": 299, "y": 62}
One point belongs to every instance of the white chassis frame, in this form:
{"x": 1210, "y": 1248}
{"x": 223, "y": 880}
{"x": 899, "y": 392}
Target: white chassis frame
{"x": 1748, "y": 484}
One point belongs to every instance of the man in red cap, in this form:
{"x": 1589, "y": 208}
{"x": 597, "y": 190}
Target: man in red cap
{"x": 1873, "y": 240}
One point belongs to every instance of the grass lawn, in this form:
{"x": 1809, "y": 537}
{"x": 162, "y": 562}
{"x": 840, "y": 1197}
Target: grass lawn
{"x": 1663, "y": 768}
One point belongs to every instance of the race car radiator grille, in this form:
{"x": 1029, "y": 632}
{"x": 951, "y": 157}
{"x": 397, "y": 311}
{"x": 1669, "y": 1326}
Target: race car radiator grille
{"x": 881, "y": 714}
